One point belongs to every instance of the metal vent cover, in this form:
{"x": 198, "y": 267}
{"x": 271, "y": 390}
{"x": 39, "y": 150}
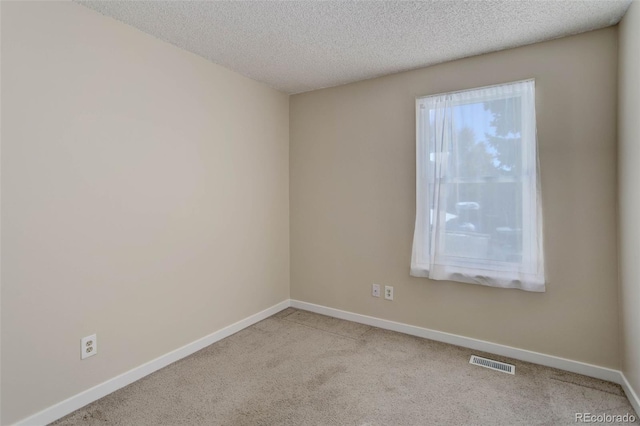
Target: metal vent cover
{"x": 494, "y": 365}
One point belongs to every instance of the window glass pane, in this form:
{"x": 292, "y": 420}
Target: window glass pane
{"x": 484, "y": 221}
{"x": 483, "y": 189}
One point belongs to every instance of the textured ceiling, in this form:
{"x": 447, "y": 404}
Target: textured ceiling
{"x": 301, "y": 46}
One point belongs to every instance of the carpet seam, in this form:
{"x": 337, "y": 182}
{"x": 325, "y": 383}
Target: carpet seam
{"x": 588, "y": 387}
{"x": 324, "y": 331}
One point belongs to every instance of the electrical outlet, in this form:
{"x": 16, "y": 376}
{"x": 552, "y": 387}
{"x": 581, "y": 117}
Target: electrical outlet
{"x": 388, "y": 292}
{"x": 375, "y": 290}
{"x": 88, "y": 346}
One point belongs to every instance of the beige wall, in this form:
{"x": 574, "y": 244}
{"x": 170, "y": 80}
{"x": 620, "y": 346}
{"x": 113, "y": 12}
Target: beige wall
{"x": 144, "y": 197}
{"x": 629, "y": 189}
{"x": 352, "y": 185}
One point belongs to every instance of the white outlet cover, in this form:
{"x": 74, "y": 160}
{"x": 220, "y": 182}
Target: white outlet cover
{"x": 375, "y": 290}
{"x": 388, "y": 292}
{"x": 88, "y": 346}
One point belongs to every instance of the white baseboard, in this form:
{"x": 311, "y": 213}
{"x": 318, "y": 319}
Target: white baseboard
{"x": 590, "y": 370}
{"x": 69, "y": 405}
{"x": 631, "y": 394}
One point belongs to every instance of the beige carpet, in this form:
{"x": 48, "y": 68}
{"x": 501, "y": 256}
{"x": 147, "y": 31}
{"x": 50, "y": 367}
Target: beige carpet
{"x": 300, "y": 368}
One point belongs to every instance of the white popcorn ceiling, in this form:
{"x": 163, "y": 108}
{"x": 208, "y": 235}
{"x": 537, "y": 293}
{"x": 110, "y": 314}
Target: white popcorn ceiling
{"x": 300, "y": 46}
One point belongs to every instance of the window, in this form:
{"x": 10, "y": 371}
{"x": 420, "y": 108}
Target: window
{"x": 478, "y": 213}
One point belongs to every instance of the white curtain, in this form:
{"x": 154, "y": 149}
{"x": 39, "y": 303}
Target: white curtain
{"x": 478, "y": 212}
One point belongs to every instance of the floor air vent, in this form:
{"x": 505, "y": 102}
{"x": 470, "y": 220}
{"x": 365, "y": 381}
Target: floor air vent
{"x": 494, "y": 365}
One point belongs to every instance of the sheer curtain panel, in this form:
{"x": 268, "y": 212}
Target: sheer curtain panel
{"x": 478, "y": 211}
